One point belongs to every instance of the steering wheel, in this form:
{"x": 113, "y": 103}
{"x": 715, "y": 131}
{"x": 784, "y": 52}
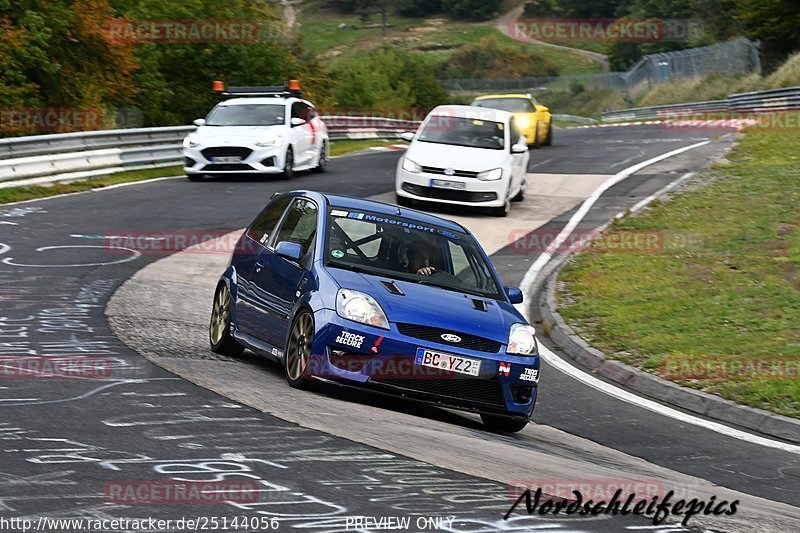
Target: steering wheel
{"x": 483, "y": 140}
{"x": 447, "y": 275}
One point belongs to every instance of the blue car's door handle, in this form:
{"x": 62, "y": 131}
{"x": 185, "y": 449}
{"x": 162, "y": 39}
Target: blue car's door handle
{"x": 259, "y": 267}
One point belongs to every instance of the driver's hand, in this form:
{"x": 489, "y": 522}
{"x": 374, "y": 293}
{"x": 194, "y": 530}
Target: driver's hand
{"x": 426, "y": 271}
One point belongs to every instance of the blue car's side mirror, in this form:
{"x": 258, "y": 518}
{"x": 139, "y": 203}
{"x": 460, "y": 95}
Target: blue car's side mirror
{"x": 289, "y": 250}
{"x": 514, "y": 295}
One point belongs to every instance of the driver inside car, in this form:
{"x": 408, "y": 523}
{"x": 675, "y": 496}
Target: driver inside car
{"x": 419, "y": 260}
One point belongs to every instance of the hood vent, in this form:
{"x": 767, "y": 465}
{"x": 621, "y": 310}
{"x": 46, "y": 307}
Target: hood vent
{"x": 480, "y": 305}
{"x": 391, "y": 287}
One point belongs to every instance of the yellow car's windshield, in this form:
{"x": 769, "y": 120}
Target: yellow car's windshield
{"x": 512, "y": 105}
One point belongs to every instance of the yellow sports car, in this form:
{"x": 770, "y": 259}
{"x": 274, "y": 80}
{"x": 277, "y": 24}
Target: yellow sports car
{"x": 532, "y": 117}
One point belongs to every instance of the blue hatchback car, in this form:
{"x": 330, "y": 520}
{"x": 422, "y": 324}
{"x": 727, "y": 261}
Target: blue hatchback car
{"x": 366, "y": 294}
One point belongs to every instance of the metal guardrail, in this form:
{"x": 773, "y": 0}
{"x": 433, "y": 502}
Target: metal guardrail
{"x": 574, "y": 118}
{"x": 63, "y": 157}
{"x": 770, "y": 101}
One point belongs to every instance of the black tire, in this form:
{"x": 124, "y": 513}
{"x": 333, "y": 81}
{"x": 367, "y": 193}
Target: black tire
{"x": 403, "y": 201}
{"x": 195, "y": 177}
{"x": 288, "y": 166}
{"x": 549, "y": 139}
{"x": 298, "y": 351}
{"x": 324, "y": 158}
{"x": 502, "y": 211}
{"x": 523, "y": 191}
{"x": 219, "y": 331}
{"x": 503, "y": 425}
{"x": 535, "y": 143}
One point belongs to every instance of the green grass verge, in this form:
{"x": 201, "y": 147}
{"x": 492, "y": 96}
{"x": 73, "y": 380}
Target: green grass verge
{"x": 339, "y": 148}
{"x": 723, "y": 292}
{"x": 18, "y": 194}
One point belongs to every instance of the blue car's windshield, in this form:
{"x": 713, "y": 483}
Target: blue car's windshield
{"x": 405, "y": 249}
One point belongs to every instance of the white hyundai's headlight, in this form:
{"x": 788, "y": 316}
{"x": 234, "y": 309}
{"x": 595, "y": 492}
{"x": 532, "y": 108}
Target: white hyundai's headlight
{"x": 270, "y": 142}
{"x": 410, "y": 166}
{"x": 188, "y": 142}
{"x": 491, "y": 175}
{"x": 522, "y": 340}
{"x": 360, "y": 307}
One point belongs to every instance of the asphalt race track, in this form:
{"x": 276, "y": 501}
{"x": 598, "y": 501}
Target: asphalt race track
{"x": 171, "y": 409}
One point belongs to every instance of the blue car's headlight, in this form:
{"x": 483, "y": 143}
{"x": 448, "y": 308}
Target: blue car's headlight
{"x": 360, "y": 307}
{"x": 522, "y": 340}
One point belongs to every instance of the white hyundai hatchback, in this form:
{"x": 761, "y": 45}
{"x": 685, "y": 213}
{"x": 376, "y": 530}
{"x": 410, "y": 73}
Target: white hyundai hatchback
{"x": 465, "y": 155}
{"x": 267, "y": 130}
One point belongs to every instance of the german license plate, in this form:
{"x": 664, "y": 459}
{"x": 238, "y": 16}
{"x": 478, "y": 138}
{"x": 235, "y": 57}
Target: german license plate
{"x": 449, "y": 362}
{"x": 226, "y": 159}
{"x": 445, "y": 184}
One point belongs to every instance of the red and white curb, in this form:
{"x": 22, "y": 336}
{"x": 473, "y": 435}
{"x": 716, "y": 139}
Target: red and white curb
{"x": 736, "y": 123}
{"x": 390, "y": 148}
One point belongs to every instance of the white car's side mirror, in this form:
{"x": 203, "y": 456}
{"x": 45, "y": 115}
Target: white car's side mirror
{"x": 407, "y": 136}
{"x": 519, "y": 149}
{"x": 200, "y": 122}
{"x": 297, "y": 121}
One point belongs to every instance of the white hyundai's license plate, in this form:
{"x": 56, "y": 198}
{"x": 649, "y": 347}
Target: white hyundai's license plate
{"x": 449, "y": 362}
{"x": 444, "y": 184}
{"x": 228, "y": 159}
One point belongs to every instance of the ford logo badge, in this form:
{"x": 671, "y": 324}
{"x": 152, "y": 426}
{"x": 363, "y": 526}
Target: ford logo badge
{"x": 449, "y": 337}
{"x": 449, "y": 172}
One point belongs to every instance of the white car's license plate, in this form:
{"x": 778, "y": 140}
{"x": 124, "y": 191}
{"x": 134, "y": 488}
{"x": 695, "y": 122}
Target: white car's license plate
{"x": 449, "y": 362}
{"x": 445, "y": 184}
{"x": 228, "y": 159}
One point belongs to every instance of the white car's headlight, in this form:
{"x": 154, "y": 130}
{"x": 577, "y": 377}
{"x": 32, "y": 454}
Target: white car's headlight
{"x": 360, "y": 307}
{"x": 188, "y": 142}
{"x": 522, "y": 340}
{"x": 270, "y": 142}
{"x": 491, "y": 175}
{"x": 410, "y": 166}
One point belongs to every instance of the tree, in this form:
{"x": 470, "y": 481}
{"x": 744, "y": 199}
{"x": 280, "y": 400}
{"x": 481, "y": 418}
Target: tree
{"x": 387, "y": 79}
{"x": 776, "y": 23}
{"x": 471, "y": 9}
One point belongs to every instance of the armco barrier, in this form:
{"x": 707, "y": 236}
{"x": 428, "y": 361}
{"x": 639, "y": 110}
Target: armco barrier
{"x": 753, "y": 102}
{"x": 63, "y": 157}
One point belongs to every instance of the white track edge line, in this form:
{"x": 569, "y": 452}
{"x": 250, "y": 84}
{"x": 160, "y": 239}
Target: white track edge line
{"x": 591, "y": 381}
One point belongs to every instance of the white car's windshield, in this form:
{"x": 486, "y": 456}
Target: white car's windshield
{"x": 406, "y": 249}
{"x": 247, "y": 115}
{"x": 471, "y": 132}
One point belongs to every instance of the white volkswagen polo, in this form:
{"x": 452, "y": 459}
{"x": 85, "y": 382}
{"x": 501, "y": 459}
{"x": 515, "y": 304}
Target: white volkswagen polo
{"x": 466, "y": 156}
{"x": 266, "y": 130}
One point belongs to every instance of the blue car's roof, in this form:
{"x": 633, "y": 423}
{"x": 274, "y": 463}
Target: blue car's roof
{"x": 347, "y": 202}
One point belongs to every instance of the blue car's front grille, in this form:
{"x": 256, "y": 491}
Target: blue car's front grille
{"x": 431, "y": 334}
{"x": 480, "y": 391}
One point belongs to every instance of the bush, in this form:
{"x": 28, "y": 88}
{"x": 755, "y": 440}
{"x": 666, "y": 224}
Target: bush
{"x": 387, "y": 79}
{"x": 471, "y": 9}
{"x": 489, "y": 59}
